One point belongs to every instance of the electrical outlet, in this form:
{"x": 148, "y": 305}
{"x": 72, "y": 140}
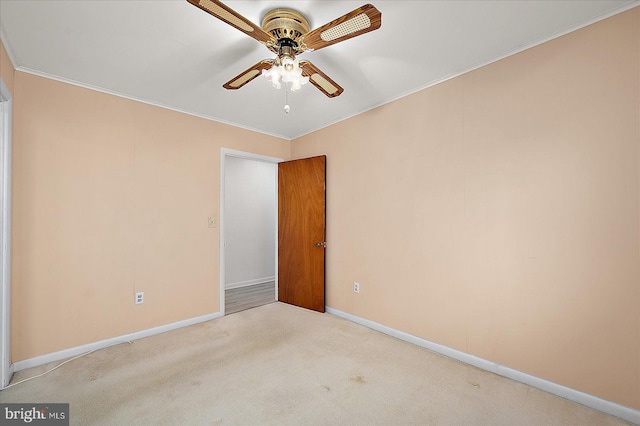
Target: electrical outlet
{"x": 139, "y": 298}
{"x": 356, "y": 287}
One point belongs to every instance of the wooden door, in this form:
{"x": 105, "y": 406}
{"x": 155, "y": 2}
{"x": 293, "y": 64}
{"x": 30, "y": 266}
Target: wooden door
{"x": 301, "y": 232}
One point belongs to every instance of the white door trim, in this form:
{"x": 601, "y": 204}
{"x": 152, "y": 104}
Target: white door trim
{"x": 6, "y": 368}
{"x": 224, "y": 153}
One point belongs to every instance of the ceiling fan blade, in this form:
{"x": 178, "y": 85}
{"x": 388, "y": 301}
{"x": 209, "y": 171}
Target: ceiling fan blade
{"x": 233, "y": 18}
{"x": 247, "y": 75}
{"x": 362, "y": 20}
{"x": 319, "y": 79}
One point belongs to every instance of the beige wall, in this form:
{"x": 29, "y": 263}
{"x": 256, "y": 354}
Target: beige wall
{"x": 111, "y": 196}
{"x": 498, "y": 213}
{"x": 6, "y": 68}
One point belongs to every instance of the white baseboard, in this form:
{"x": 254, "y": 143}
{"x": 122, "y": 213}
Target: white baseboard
{"x": 247, "y": 283}
{"x": 78, "y": 350}
{"x": 626, "y": 413}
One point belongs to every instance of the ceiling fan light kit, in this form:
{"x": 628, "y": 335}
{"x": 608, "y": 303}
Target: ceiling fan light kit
{"x": 286, "y": 33}
{"x": 286, "y": 68}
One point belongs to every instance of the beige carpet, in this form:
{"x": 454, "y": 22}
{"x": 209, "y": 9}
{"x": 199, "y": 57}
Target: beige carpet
{"x": 281, "y": 365}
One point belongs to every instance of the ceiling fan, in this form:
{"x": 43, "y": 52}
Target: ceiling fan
{"x": 286, "y": 33}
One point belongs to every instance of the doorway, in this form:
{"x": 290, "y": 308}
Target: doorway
{"x": 248, "y": 230}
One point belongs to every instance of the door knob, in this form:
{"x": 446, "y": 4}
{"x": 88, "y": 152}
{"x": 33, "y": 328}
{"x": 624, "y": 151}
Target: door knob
{"x": 321, "y": 244}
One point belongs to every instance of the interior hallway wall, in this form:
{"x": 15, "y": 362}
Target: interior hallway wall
{"x": 249, "y": 221}
{"x": 110, "y": 197}
{"x": 497, "y": 213}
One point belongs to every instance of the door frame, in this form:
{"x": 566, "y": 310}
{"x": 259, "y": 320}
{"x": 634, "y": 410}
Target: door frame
{"x": 224, "y": 153}
{"x": 6, "y": 368}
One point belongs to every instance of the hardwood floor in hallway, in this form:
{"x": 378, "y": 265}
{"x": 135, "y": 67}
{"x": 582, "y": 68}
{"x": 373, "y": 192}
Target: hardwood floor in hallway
{"x": 242, "y": 298}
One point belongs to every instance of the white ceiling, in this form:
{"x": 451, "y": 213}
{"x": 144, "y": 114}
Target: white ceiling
{"x": 173, "y": 54}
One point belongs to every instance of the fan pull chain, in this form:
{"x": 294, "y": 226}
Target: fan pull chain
{"x": 287, "y": 108}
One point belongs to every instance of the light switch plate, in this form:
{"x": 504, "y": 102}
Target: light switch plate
{"x": 212, "y": 222}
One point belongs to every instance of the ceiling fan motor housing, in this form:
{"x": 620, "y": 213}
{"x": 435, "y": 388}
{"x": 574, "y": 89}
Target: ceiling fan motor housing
{"x": 287, "y": 26}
